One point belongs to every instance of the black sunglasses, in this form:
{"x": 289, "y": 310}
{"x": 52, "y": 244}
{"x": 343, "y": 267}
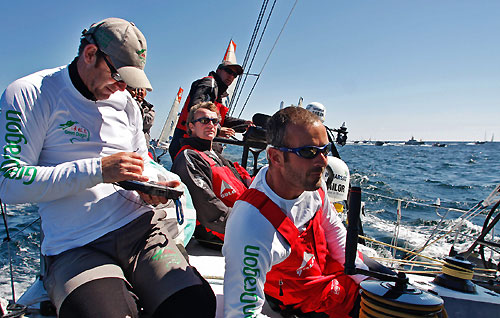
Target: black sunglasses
{"x": 230, "y": 71}
{"x": 308, "y": 152}
{"x": 206, "y": 120}
{"x": 114, "y": 73}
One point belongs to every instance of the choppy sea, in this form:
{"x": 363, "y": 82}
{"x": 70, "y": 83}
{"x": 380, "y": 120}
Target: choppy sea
{"x": 458, "y": 176}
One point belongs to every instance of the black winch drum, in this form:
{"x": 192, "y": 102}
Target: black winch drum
{"x": 388, "y": 299}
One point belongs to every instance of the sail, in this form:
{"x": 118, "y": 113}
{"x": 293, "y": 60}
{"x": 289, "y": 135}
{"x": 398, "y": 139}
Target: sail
{"x": 169, "y": 126}
{"x": 231, "y": 57}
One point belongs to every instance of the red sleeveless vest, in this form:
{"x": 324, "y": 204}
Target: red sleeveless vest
{"x": 226, "y": 186}
{"x": 309, "y": 279}
{"x": 182, "y": 122}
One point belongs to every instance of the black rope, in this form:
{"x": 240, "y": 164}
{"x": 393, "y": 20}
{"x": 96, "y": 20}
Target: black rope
{"x": 8, "y": 239}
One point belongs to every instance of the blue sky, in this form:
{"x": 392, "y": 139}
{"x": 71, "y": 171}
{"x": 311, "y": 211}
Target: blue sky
{"x": 389, "y": 69}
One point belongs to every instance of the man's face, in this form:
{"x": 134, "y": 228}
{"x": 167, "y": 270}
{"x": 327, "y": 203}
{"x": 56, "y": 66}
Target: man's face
{"x": 141, "y": 94}
{"x": 227, "y": 75}
{"x": 206, "y": 131}
{"x": 304, "y": 174}
{"x": 98, "y": 77}
{"x": 132, "y": 91}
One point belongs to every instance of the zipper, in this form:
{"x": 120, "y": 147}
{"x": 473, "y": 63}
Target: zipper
{"x": 281, "y": 287}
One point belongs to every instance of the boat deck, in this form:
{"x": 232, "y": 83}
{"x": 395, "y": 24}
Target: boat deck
{"x": 210, "y": 264}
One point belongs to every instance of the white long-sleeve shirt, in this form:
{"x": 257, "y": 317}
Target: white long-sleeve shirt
{"x": 252, "y": 245}
{"x": 52, "y": 141}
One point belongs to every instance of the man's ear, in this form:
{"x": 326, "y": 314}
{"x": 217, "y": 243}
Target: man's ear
{"x": 274, "y": 156}
{"x": 191, "y": 127}
{"x": 90, "y": 53}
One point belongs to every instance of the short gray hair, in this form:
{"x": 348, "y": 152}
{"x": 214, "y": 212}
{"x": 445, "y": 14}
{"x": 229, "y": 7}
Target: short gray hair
{"x": 278, "y": 123}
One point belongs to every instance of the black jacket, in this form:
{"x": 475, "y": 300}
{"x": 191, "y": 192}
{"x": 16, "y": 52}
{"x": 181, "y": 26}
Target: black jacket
{"x": 196, "y": 174}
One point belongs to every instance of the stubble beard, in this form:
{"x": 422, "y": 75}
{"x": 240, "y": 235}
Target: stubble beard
{"x": 312, "y": 183}
{"x": 305, "y": 181}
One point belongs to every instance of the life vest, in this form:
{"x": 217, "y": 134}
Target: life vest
{"x": 182, "y": 122}
{"x": 226, "y": 186}
{"x": 309, "y": 279}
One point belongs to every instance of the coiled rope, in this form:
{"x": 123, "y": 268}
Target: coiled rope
{"x": 446, "y": 268}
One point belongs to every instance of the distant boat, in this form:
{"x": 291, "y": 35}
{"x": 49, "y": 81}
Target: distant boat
{"x": 379, "y": 143}
{"x": 483, "y": 142}
{"x": 438, "y": 144}
{"x": 414, "y": 142}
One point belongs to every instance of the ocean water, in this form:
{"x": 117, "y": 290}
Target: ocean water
{"x": 460, "y": 175}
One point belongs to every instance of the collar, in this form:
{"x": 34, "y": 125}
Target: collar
{"x": 196, "y": 143}
{"x": 220, "y": 84}
{"x": 78, "y": 82}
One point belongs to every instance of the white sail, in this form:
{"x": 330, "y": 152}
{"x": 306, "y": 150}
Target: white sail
{"x": 169, "y": 126}
{"x": 300, "y": 102}
{"x": 231, "y": 57}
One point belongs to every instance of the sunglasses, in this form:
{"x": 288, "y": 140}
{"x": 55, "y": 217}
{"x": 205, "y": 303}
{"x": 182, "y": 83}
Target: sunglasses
{"x": 308, "y": 152}
{"x": 112, "y": 69}
{"x": 230, "y": 72}
{"x": 206, "y": 120}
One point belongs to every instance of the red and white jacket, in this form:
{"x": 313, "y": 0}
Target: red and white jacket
{"x": 258, "y": 256}
{"x": 214, "y": 183}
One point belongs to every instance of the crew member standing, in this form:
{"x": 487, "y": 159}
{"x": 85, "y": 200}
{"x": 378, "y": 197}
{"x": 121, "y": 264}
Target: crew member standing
{"x": 211, "y": 88}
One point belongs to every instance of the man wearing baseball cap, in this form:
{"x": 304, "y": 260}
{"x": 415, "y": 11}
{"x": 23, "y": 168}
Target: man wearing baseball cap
{"x": 70, "y": 133}
{"x": 211, "y": 88}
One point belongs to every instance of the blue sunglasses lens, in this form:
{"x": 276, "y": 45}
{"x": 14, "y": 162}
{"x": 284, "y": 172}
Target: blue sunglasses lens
{"x": 311, "y": 152}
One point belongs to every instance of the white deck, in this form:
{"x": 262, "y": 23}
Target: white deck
{"x": 209, "y": 263}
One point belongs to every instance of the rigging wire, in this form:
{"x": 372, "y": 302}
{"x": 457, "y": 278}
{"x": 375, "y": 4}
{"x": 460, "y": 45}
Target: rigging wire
{"x": 268, "y": 56}
{"x": 8, "y": 239}
{"x": 422, "y": 264}
{"x": 249, "y": 50}
{"x": 466, "y": 216}
{"x": 254, "y": 54}
{"x": 416, "y": 203}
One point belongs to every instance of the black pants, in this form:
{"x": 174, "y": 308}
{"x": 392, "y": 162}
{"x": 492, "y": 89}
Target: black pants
{"x": 110, "y": 297}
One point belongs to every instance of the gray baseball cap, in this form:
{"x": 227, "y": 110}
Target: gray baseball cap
{"x": 234, "y": 66}
{"x": 125, "y": 45}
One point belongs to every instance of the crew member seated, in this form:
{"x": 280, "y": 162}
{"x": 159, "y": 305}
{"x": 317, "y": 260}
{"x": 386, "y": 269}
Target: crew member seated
{"x": 285, "y": 243}
{"x": 213, "y": 181}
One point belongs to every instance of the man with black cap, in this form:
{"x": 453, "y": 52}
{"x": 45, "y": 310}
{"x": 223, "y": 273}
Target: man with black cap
{"x": 211, "y": 88}
{"x": 68, "y": 134}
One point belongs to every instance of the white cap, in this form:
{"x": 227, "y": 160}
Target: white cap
{"x": 337, "y": 179}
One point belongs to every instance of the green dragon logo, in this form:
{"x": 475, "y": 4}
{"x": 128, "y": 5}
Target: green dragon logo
{"x": 142, "y": 55}
{"x": 77, "y": 132}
